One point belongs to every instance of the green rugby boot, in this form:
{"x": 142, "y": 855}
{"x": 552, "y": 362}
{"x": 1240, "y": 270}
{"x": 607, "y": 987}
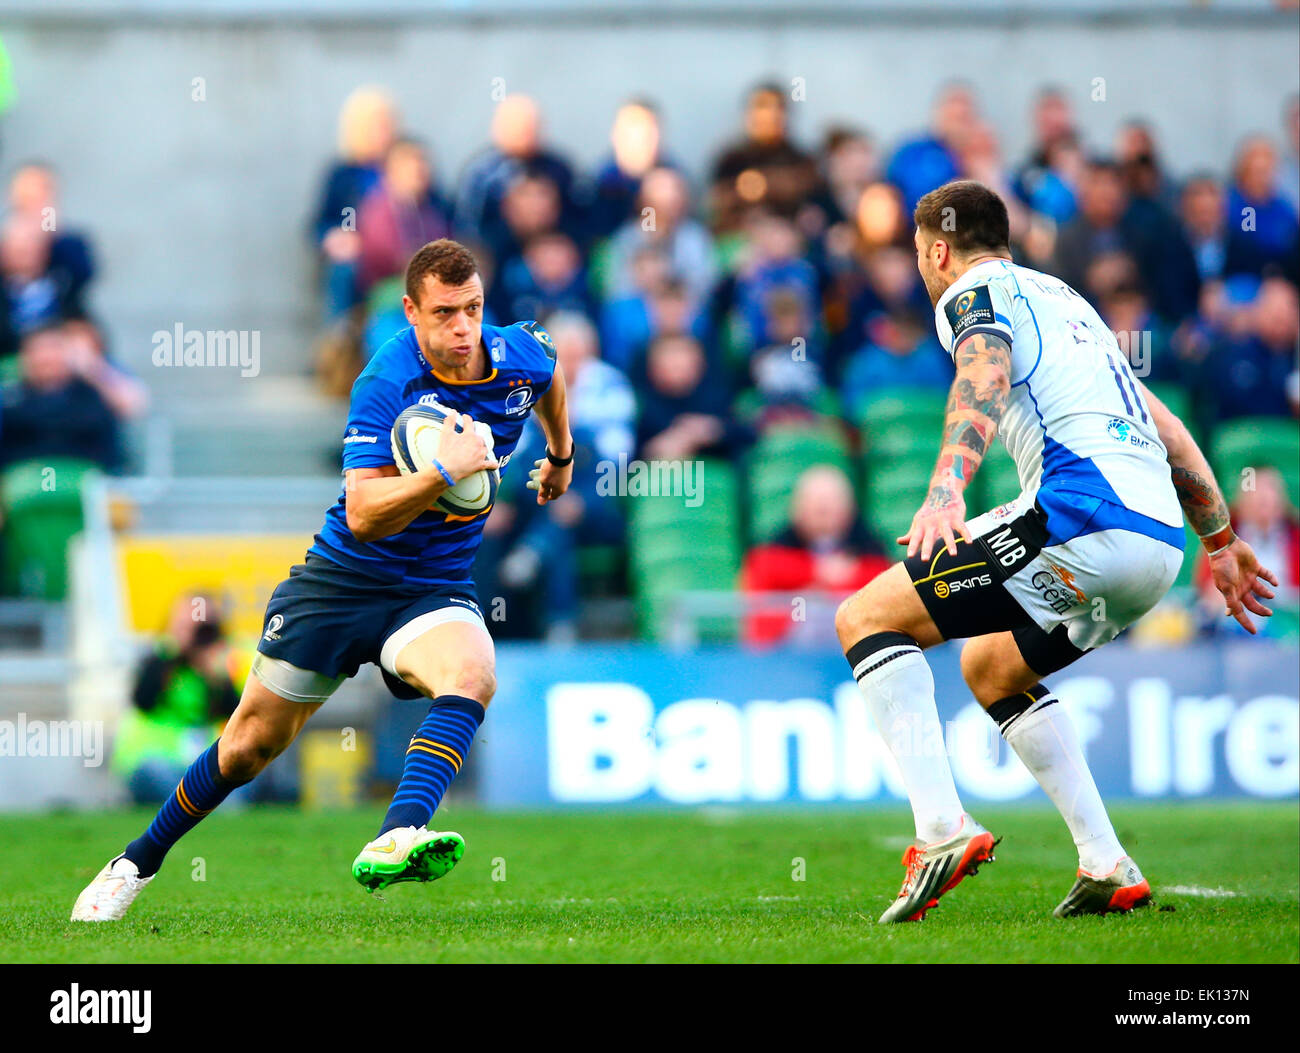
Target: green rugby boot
{"x": 407, "y": 854}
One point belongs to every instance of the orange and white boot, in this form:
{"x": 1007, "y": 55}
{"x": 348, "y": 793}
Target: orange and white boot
{"x": 1118, "y": 892}
{"x": 936, "y": 868}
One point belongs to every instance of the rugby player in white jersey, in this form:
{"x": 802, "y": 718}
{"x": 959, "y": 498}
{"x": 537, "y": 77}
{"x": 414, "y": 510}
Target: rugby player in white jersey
{"x": 1094, "y": 542}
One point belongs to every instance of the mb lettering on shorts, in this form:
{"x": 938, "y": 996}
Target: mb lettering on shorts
{"x": 1006, "y": 547}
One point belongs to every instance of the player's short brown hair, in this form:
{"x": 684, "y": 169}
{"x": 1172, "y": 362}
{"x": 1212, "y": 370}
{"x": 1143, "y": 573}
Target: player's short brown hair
{"x": 448, "y": 261}
{"x": 967, "y": 215}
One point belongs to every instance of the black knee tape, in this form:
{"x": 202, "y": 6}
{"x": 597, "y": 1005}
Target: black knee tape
{"x": 875, "y": 643}
{"x": 1006, "y": 710}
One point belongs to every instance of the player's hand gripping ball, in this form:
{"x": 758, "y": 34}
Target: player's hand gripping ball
{"x": 417, "y": 440}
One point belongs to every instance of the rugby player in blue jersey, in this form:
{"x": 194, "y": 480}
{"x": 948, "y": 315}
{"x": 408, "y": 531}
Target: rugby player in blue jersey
{"x": 387, "y": 580}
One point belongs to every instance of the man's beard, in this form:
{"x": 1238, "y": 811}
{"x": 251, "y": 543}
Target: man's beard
{"x": 935, "y": 287}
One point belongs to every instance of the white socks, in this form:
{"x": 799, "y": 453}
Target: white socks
{"x": 1043, "y": 737}
{"x": 897, "y": 683}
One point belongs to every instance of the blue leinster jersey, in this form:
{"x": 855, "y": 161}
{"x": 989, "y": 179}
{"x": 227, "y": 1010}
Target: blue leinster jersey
{"x": 434, "y": 549}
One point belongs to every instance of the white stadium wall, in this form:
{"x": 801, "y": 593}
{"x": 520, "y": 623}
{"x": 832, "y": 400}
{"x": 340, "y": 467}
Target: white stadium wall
{"x": 199, "y": 208}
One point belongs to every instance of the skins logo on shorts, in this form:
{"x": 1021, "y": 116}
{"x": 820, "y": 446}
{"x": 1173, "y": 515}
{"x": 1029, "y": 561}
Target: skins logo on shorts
{"x": 273, "y": 627}
{"x": 944, "y": 589}
{"x": 973, "y": 307}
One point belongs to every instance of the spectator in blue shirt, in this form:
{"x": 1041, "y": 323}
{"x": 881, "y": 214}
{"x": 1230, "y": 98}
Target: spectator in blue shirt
{"x": 532, "y": 205}
{"x": 530, "y": 552}
{"x": 367, "y": 129}
{"x": 33, "y": 293}
{"x": 637, "y": 148}
{"x": 1221, "y": 248}
{"x": 663, "y": 222}
{"x": 1053, "y": 122}
{"x": 516, "y": 150}
{"x": 1256, "y": 207}
{"x": 931, "y": 159}
{"x": 550, "y": 276}
{"x": 34, "y": 192}
{"x": 1250, "y": 377}
{"x": 55, "y": 408}
{"x": 902, "y": 352}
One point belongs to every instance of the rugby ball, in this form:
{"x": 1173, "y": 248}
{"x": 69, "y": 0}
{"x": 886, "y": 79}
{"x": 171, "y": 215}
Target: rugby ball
{"x": 415, "y": 438}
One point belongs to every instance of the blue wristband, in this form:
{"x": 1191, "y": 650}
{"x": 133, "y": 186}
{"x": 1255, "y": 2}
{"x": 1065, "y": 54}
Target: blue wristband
{"x": 445, "y": 474}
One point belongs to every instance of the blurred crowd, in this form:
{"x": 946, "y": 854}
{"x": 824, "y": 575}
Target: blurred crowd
{"x": 61, "y": 393}
{"x": 694, "y": 313}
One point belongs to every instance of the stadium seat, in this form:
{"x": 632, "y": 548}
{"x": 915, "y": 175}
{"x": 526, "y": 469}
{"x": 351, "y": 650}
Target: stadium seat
{"x": 900, "y": 418}
{"x": 600, "y": 569}
{"x": 41, "y": 502}
{"x": 901, "y": 403}
{"x": 674, "y": 547}
{"x": 892, "y": 495}
{"x": 1177, "y": 399}
{"x": 775, "y": 464}
{"x": 1255, "y": 442}
{"x": 1192, "y": 550}
{"x": 996, "y": 482}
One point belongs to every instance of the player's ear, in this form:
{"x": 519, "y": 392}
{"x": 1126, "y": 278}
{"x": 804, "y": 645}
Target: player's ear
{"x": 410, "y": 307}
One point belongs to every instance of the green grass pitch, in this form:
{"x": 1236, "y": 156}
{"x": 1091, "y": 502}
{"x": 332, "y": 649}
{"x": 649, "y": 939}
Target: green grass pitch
{"x": 653, "y": 886}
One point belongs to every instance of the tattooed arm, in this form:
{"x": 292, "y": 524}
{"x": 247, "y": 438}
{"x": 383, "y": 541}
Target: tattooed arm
{"x": 975, "y": 406}
{"x": 1236, "y": 572}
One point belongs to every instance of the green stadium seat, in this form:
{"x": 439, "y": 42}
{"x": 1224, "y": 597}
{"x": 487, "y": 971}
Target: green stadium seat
{"x": 1192, "y": 550}
{"x": 1177, "y": 399}
{"x": 901, "y": 403}
{"x": 892, "y": 495}
{"x": 673, "y": 548}
{"x": 1254, "y": 442}
{"x": 901, "y": 421}
{"x": 41, "y": 501}
{"x": 996, "y": 482}
{"x": 600, "y": 568}
{"x": 775, "y": 464}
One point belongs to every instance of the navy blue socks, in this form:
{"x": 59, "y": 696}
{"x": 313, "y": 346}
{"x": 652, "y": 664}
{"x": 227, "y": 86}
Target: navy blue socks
{"x": 435, "y": 755}
{"x": 200, "y": 790}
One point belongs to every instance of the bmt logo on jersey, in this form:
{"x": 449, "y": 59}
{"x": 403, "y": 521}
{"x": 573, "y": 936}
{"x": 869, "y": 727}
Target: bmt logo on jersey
{"x": 1122, "y": 431}
{"x": 273, "y": 627}
{"x": 519, "y": 401}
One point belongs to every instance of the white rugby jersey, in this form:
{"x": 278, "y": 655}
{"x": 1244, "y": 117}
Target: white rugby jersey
{"x": 1075, "y": 422}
